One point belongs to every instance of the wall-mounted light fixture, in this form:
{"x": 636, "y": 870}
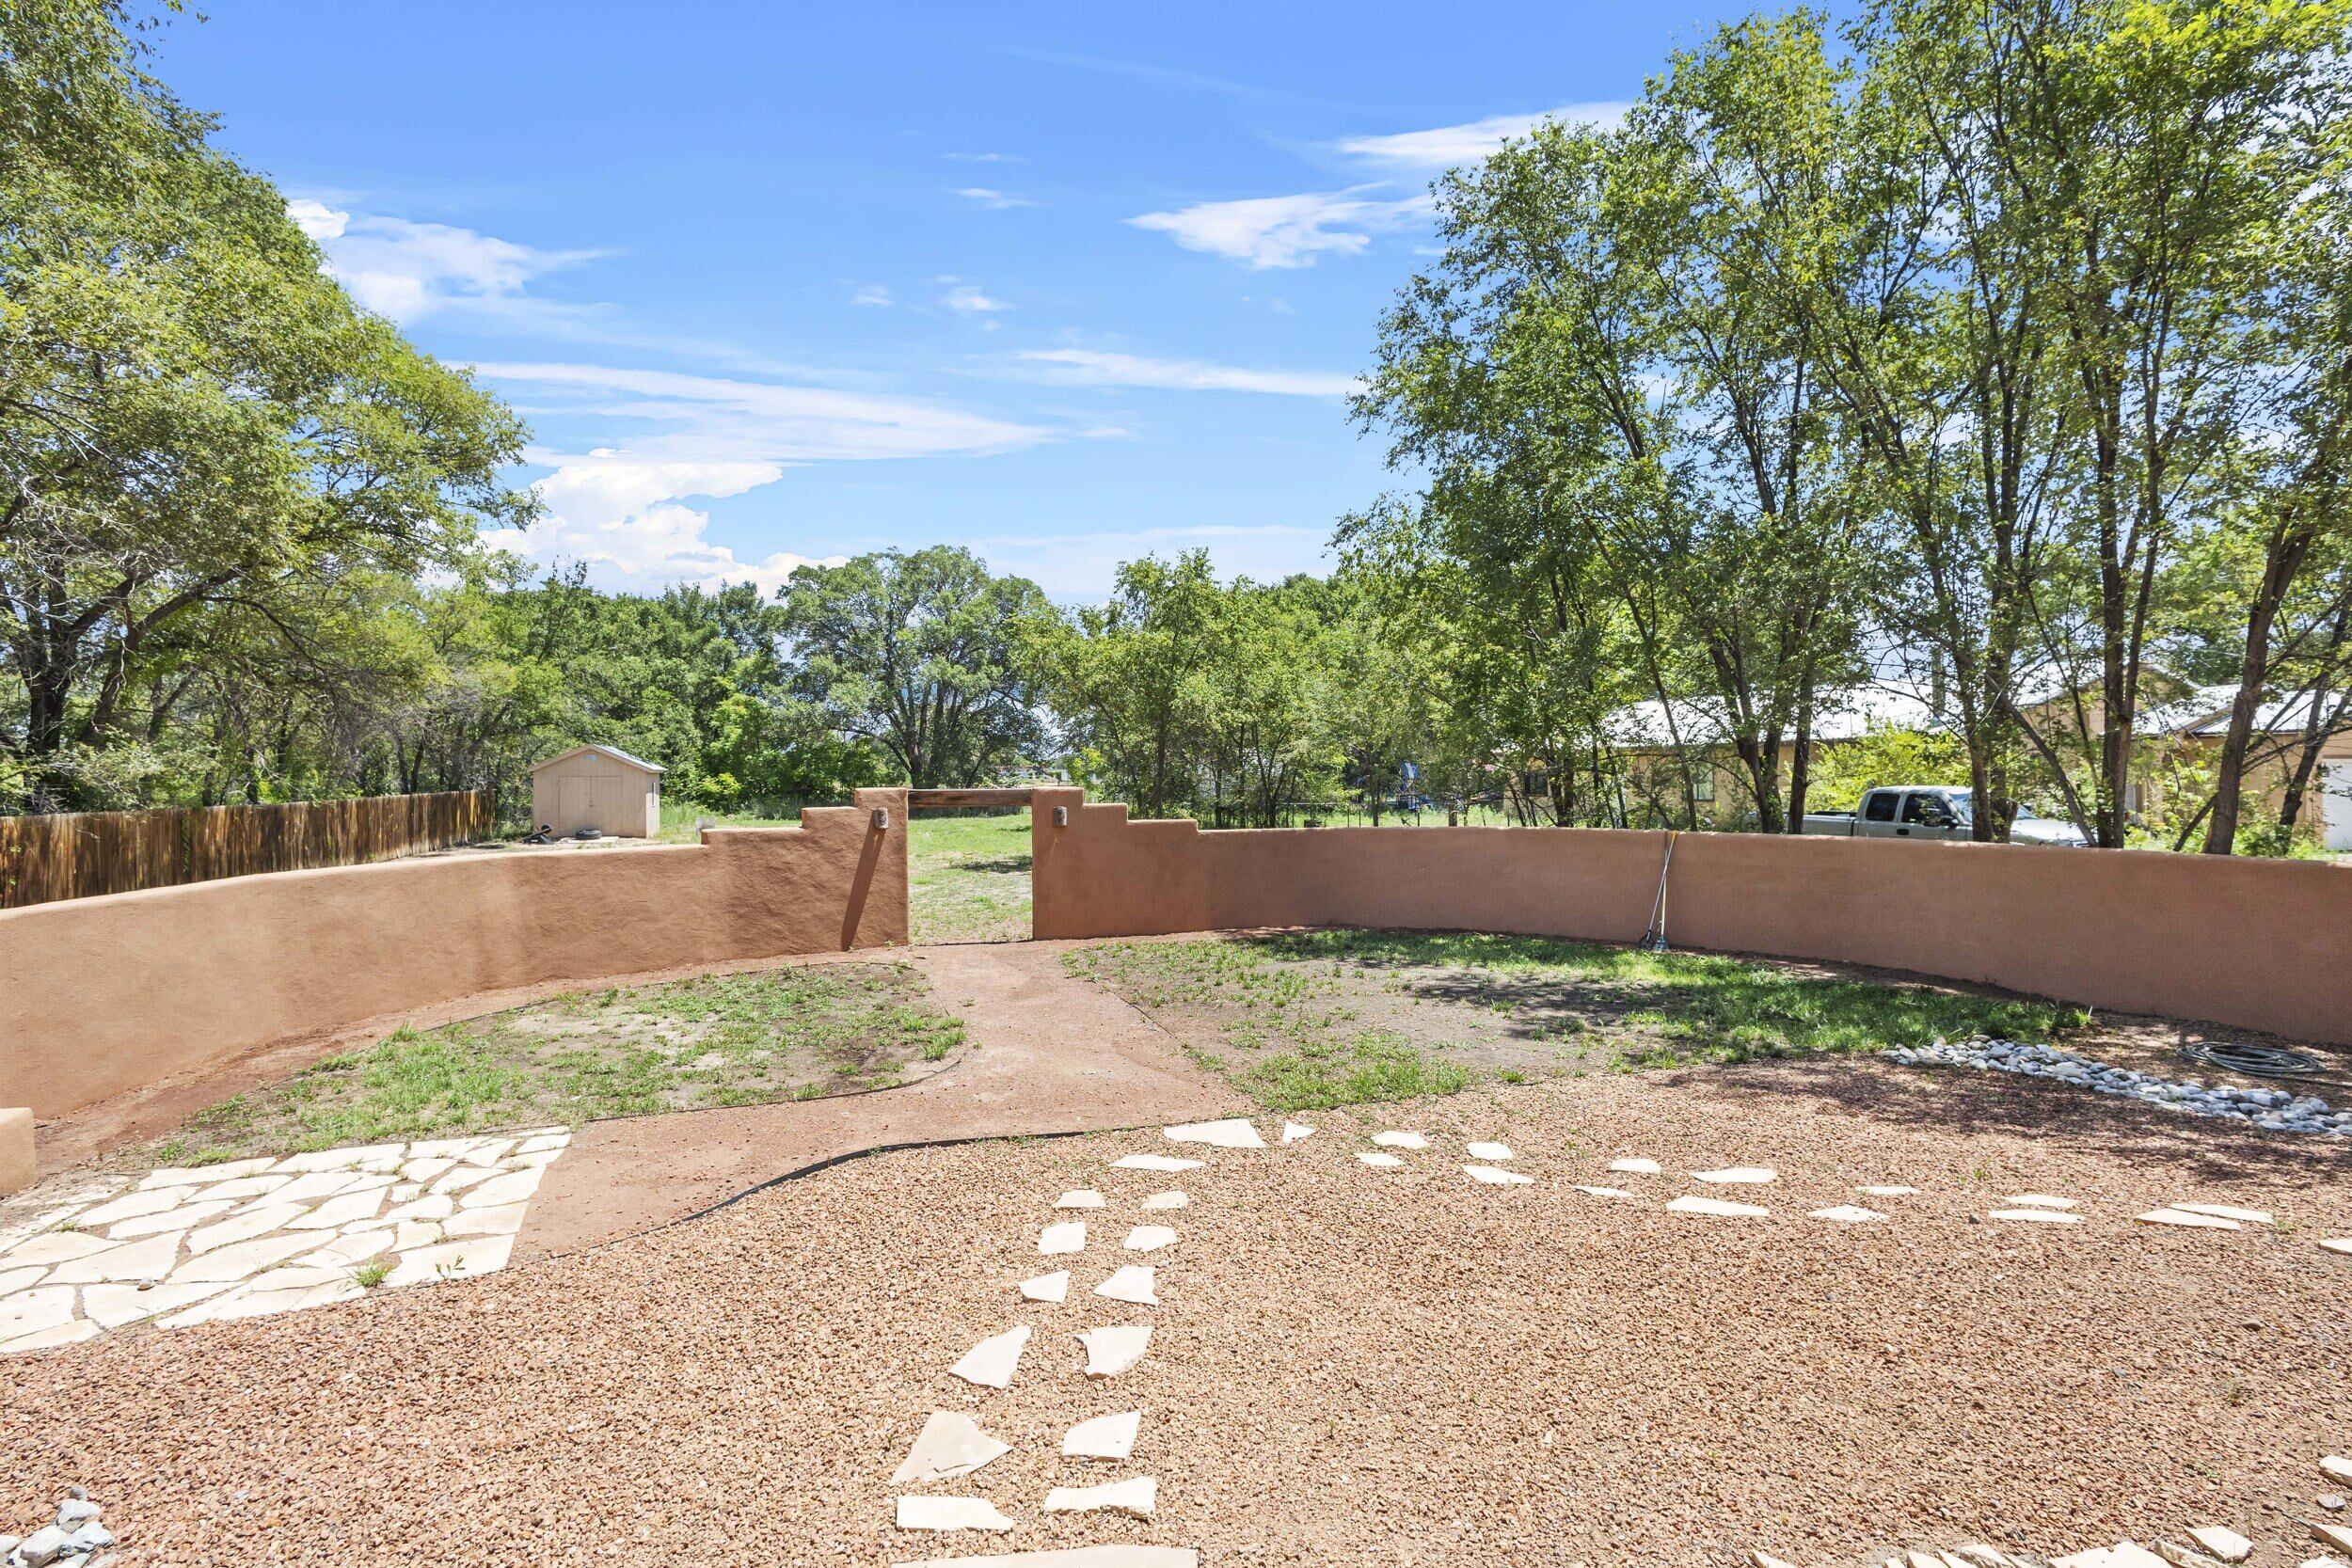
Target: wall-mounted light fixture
{"x": 1061, "y": 816}
{"x": 882, "y": 819}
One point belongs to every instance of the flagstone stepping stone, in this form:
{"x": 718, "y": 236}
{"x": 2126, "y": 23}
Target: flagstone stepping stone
{"x": 413, "y": 1234}
{"x": 255, "y": 1302}
{"x": 13, "y": 1281}
{"x": 433, "y": 1205}
{"x": 504, "y": 1220}
{"x": 2186, "y": 1219}
{"x": 946, "y": 1513}
{"x": 132, "y": 1206}
{"x": 2038, "y": 1200}
{"x": 1737, "y": 1176}
{"x": 1888, "y": 1192}
{"x": 1166, "y": 1200}
{"x": 2223, "y": 1212}
{"x": 2334, "y": 1243}
{"x": 247, "y": 1187}
{"x": 62, "y": 1334}
{"x": 2184, "y": 1557}
{"x": 32, "y": 1311}
{"x": 1112, "y": 1351}
{"x": 1760, "y": 1559}
{"x": 1715, "y": 1206}
{"x": 1493, "y": 1176}
{"x": 950, "y": 1445}
{"x": 2335, "y": 1535}
{"x": 1083, "y": 1197}
{"x": 488, "y": 1152}
{"x": 1233, "y": 1133}
{"x": 129, "y": 1264}
{"x": 426, "y": 1169}
{"x": 189, "y": 1176}
{"x": 1846, "y": 1214}
{"x": 1393, "y": 1139}
{"x": 2036, "y": 1217}
{"x": 513, "y": 1187}
{"x": 2338, "y": 1468}
{"x": 243, "y": 1225}
{"x": 1104, "y": 1437}
{"x": 1488, "y": 1151}
{"x": 1072, "y": 1557}
{"x": 1047, "y": 1287}
{"x": 1166, "y": 1164}
{"x": 1069, "y": 1235}
{"x": 459, "y": 1178}
{"x": 240, "y": 1260}
{"x": 1636, "y": 1166}
{"x": 55, "y": 1246}
{"x": 541, "y": 1143}
{"x": 990, "y": 1363}
{"x": 2124, "y": 1554}
{"x": 340, "y": 1159}
{"x": 475, "y": 1255}
{"x": 1138, "y": 1495}
{"x": 1377, "y": 1158}
{"x": 1150, "y": 1238}
{"x": 170, "y": 1219}
{"x": 115, "y": 1306}
{"x": 1293, "y": 1131}
{"x": 1603, "y": 1191}
{"x": 336, "y": 1212}
{"x": 2222, "y": 1542}
{"x": 311, "y": 1188}
{"x": 1130, "y": 1282}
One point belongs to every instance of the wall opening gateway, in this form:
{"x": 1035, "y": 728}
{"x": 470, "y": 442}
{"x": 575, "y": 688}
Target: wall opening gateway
{"x": 968, "y": 865}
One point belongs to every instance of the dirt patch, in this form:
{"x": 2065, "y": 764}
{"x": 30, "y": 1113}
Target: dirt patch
{"x": 1348, "y": 1368}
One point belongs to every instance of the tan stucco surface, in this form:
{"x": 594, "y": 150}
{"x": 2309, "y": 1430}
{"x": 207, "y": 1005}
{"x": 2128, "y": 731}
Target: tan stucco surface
{"x": 2258, "y": 944}
{"x": 106, "y": 995}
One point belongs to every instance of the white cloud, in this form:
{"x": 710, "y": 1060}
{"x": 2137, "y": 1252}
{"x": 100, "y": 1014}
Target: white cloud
{"x": 1285, "y": 230}
{"x": 622, "y": 509}
{"x": 992, "y": 199}
{"x": 871, "y": 293}
{"x": 1096, "y": 368}
{"x": 407, "y": 270}
{"x": 984, "y": 157}
{"x": 968, "y": 299}
{"x": 1449, "y": 145}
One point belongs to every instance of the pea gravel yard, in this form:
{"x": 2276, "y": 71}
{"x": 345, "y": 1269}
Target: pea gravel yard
{"x": 1349, "y": 1365}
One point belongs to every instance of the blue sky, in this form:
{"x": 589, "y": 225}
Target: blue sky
{"x": 1064, "y": 284}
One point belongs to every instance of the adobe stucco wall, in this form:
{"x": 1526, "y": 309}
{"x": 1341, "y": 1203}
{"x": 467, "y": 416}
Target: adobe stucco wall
{"x": 2258, "y": 944}
{"x": 98, "y": 995}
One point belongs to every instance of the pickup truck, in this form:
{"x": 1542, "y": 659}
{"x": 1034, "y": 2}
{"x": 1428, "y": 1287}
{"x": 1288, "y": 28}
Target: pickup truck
{"x": 1930, "y": 811}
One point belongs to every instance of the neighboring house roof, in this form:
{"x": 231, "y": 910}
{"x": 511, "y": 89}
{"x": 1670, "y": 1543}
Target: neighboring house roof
{"x": 2206, "y": 712}
{"x": 1847, "y": 713}
{"x": 613, "y": 752}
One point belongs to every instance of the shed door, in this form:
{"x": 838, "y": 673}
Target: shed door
{"x": 576, "y": 805}
{"x": 2336, "y": 802}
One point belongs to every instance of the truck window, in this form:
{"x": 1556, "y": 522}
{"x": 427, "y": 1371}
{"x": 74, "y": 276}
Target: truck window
{"x": 1920, "y": 806}
{"x": 1879, "y": 806}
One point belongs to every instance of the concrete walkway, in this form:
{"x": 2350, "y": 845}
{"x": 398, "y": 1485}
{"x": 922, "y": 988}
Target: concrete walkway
{"x": 1044, "y": 1053}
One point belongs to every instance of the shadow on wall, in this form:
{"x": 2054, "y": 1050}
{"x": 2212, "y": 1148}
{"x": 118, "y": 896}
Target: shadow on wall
{"x": 2260, "y": 944}
{"x": 110, "y": 993}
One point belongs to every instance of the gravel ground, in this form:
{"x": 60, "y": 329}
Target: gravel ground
{"x": 1348, "y": 1365}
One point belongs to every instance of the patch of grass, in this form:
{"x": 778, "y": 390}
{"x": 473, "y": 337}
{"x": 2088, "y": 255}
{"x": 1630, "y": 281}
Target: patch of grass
{"x": 968, "y": 877}
{"x": 1371, "y": 1067}
{"x": 793, "y": 1033}
{"x": 371, "y": 1275}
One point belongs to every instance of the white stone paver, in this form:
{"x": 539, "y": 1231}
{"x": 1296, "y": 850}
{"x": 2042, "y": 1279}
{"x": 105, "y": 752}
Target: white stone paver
{"x": 1602, "y": 1192}
{"x": 1488, "y": 1151}
{"x": 2224, "y": 1212}
{"x": 2038, "y": 1200}
{"x": 1069, "y": 1235}
{"x": 1130, "y": 1282}
{"x": 246, "y": 1238}
{"x": 2222, "y": 1542}
{"x": 1896, "y": 1191}
{"x": 1716, "y": 1207}
{"x": 2036, "y": 1217}
{"x": 1495, "y": 1176}
{"x": 2186, "y": 1219}
{"x": 1393, "y": 1138}
{"x": 1084, "y": 1197}
{"x": 990, "y": 1363}
{"x": 1378, "y": 1158}
{"x": 1122, "y": 1555}
{"x": 1138, "y": 1495}
{"x": 1150, "y": 1238}
{"x": 951, "y": 1444}
{"x": 1293, "y": 1131}
{"x": 1847, "y": 1213}
{"x": 1166, "y": 1200}
{"x": 1636, "y": 1166}
{"x": 1047, "y": 1287}
{"x": 1737, "y": 1176}
{"x": 1104, "y": 1437}
{"x": 1234, "y": 1133}
{"x": 1112, "y": 1351}
{"x": 945, "y": 1514}
{"x": 1167, "y": 1164}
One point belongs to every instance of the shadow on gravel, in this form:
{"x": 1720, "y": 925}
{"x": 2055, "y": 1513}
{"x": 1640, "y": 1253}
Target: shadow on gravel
{"x": 1964, "y": 1101}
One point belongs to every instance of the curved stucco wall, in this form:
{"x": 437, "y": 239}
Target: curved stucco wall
{"x": 98, "y": 995}
{"x": 2256, "y": 944}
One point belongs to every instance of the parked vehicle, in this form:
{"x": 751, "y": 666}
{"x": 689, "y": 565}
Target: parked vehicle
{"x": 1930, "y": 811}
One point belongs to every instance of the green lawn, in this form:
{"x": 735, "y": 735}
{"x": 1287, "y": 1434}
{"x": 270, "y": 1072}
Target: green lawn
{"x": 794, "y": 1033}
{"x": 1312, "y": 1019}
{"x": 968, "y": 877}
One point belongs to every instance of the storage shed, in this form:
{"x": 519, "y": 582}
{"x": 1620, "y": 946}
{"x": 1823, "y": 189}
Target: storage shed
{"x": 597, "y": 786}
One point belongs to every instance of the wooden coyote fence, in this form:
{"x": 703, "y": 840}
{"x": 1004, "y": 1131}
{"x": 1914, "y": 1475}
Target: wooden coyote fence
{"x": 82, "y": 854}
